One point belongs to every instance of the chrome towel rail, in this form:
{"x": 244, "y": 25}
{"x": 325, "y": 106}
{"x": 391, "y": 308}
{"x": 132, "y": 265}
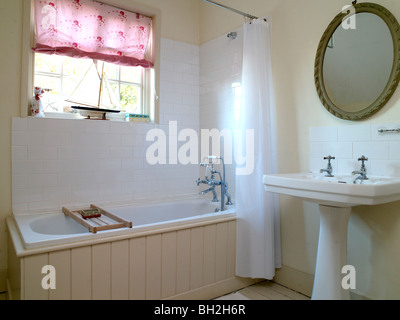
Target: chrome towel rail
{"x": 389, "y": 130}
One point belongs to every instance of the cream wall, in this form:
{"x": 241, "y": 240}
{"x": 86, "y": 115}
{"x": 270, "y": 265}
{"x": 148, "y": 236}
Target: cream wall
{"x": 179, "y": 20}
{"x": 215, "y": 21}
{"x": 10, "y": 35}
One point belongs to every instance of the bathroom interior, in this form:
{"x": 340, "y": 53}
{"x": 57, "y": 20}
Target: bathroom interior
{"x": 53, "y": 162}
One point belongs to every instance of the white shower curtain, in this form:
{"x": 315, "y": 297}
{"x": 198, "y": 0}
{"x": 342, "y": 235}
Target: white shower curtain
{"x": 258, "y": 227}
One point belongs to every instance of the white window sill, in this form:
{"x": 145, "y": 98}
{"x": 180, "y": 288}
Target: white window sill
{"x": 118, "y": 117}
{"x": 60, "y": 115}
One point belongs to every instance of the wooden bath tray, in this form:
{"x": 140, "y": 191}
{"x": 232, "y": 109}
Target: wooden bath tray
{"x": 106, "y": 221}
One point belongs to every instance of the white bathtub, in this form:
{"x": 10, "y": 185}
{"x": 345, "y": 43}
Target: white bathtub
{"x": 175, "y": 250}
{"x": 49, "y": 229}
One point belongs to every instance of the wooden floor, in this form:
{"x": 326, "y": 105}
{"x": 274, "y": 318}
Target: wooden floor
{"x": 266, "y": 290}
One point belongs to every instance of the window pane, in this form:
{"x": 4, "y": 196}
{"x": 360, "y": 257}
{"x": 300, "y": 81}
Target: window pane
{"x": 47, "y": 82}
{"x": 109, "y": 95}
{"x": 88, "y": 90}
{"x": 76, "y": 67}
{"x": 69, "y": 85}
{"x": 131, "y": 74}
{"x": 111, "y": 70}
{"x": 50, "y": 100}
{"x": 47, "y": 63}
{"x": 130, "y": 98}
{"x": 52, "y": 103}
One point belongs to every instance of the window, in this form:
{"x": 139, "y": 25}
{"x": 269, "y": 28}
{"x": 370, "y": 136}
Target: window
{"x": 92, "y": 55}
{"x": 70, "y": 81}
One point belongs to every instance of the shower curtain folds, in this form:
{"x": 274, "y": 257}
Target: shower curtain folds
{"x": 258, "y": 223}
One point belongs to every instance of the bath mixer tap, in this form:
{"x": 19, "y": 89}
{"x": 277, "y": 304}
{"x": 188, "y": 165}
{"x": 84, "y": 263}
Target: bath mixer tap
{"x": 212, "y": 189}
{"x": 212, "y": 182}
{"x": 362, "y": 172}
{"x": 229, "y": 198}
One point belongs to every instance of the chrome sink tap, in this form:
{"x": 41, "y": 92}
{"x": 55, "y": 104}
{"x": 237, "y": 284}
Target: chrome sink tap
{"x": 362, "y": 172}
{"x": 328, "y": 169}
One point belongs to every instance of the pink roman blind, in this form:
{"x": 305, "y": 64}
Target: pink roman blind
{"x": 90, "y": 29}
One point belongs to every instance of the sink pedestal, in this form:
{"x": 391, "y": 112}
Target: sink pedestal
{"x": 332, "y": 254}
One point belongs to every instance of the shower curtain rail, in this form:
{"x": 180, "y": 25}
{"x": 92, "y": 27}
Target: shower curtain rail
{"x": 231, "y": 9}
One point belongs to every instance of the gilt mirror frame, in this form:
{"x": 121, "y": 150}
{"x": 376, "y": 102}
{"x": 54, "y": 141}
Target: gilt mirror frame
{"x": 394, "y": 78}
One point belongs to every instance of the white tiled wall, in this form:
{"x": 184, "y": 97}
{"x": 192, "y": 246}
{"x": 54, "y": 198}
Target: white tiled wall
{"x": 179, "y": 87}
{"x": 58, "y": 162}
{"x": 221, "y": 62}
{"x": 348, "y": 143}
{"x": 221, "y": 66}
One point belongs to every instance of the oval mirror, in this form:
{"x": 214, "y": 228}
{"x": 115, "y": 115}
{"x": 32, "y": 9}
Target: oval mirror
{"x": 357, "y": 67}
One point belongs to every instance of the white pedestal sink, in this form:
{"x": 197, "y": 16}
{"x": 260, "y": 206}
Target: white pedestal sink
{"x": 335, "y": 197}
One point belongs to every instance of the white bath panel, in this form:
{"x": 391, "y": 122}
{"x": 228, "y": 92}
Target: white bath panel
{"x": 193, "y": 260}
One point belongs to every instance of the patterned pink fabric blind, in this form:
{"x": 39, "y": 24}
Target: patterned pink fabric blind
{"x": 89, "y": 29}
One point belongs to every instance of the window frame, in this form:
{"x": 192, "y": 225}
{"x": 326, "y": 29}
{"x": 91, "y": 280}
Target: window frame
{"x": 28, "y": 58}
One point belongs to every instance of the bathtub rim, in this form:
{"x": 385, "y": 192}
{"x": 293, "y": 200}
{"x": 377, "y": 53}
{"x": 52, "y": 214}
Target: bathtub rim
{"x": 138, "y": 202}
{"x": 118, "y": 235}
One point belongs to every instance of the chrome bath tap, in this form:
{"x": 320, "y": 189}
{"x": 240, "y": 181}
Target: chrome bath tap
{"x": 211, "y": 189}
{"x": 212, "y": 182}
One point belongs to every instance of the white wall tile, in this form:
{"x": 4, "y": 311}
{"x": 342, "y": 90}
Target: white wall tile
{"x": 394, "y": 150}
{"x": 26, "y": 195}
{"x": 20, "y": 124}
{"x": 337, "y": 149}
{"x": 42, "y": 180}
{"x": 109, "y": 164}
{"x": 109, "y": 139}
{"x": 315, "y": 149}
{"x": 56, "y": 193}
{"x": 57, "y": 139}
{"x": 80, "y": 139}
{"x": 121, "y": 152}
{"x": 324, "y": 134}
{"x": 372, "y": 150}
{"x": 122, "y": 128}
{"x": 20, "y": 181}
{"x": 43, "y": 205}
{"x": 97, "y": 126}
{"x": 354, "y": 133}
{"x": 42, "y": 152}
